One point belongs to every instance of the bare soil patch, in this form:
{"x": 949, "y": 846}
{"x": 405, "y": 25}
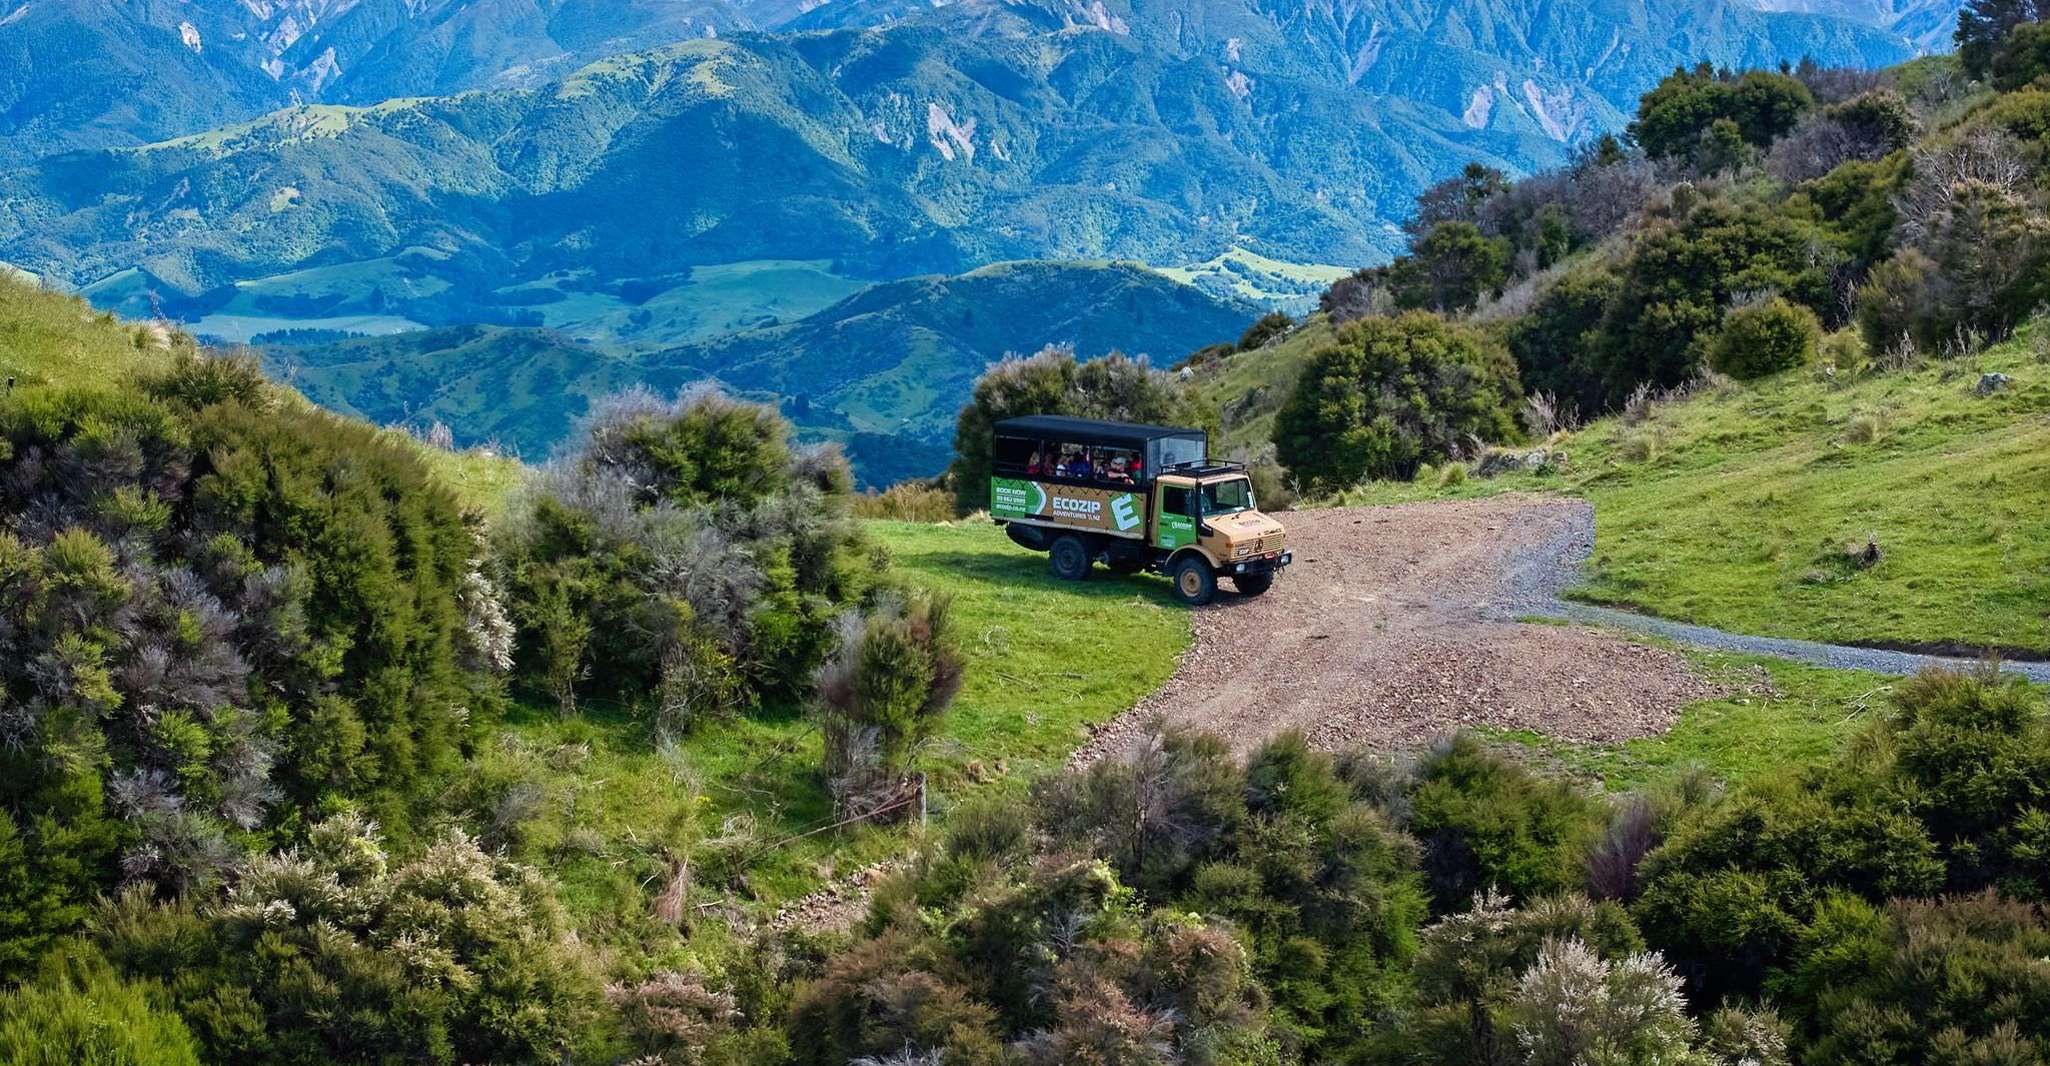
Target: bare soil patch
{"x": 1398, "y": 624}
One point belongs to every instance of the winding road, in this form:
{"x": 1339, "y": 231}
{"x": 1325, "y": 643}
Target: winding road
{"x": 1401, "y": 623}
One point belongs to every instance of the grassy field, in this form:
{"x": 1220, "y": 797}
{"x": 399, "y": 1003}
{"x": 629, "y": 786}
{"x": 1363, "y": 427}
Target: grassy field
{"x": 1046, "y": 660}
{"x": 1742, "y": 507}
{"x": 1776, "y": 714}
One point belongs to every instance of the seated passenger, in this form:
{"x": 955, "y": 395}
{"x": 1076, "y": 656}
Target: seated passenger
{"x": 1080, "y": 469}
{"x": 1036, "y": 466}
{"x": 1119, "y": 472}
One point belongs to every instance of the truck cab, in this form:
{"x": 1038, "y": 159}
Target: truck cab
{"x": 1133, "y": 498}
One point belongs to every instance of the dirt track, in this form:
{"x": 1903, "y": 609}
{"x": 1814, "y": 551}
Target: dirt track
{"x": 1397, "y": 624}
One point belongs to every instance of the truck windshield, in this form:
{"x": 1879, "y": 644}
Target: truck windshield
{"x": 1226, "y": 497}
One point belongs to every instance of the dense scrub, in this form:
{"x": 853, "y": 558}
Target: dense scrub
{"x": 1748, "y": 214}
{"x": 221, "y": 612}
{"x": 683, "y": 551}
{"x": 1389, "y": 394}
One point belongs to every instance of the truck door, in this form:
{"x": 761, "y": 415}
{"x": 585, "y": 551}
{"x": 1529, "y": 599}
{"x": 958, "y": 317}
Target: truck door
{"x": 1174, "y": 519}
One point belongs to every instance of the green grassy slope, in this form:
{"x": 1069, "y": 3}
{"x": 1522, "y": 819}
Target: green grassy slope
{"x": 1735, "y": 507}
{"x": 49, "y": 338}
{"x": 1046, "y": 659}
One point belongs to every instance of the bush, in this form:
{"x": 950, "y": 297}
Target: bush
{"x": 1762, "y": 339}
{"x": 685, "y": 551}
{"x": 332, "y": 953}
{"x": 1953, "y": 980}
{"x": 1269, "y": 328}
{"x": 1758, "y": 107}
{"x": 1053, "y": 382}
{"x": 2023, "y": 57}
{"x": 1678, "y": 281}
{"x": 1486, "y": 824}
{"x": 1555, "y": 343}
{"x": 80, "y": 1013}
{"x": 880, "y": 696}
{"x": 1389, "y": 394}
{"x": 1972, "y": 762}
{"x": 1452, "y": 268}
{"x": 907, "y": 501}
{"x": 218, "y": 611}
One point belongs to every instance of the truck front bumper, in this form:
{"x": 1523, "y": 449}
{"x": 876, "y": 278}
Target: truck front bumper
{"x": 1261, "y": 564}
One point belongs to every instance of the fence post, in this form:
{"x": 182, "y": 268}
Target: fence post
{"x": 921, "y": 800}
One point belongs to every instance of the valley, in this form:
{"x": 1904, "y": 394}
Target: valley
{"x": 680, "y": 186}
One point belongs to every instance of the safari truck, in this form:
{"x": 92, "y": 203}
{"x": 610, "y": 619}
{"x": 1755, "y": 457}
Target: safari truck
{"x": 1133, "y": 498}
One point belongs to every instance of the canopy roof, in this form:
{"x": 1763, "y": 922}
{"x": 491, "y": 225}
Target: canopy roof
{"x": 1089, "y": 430}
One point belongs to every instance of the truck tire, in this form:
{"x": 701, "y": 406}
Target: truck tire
{"x": 1194, "y": 582}
{"x": 1069, "y": 560}
{"x": 1253, "y": 584}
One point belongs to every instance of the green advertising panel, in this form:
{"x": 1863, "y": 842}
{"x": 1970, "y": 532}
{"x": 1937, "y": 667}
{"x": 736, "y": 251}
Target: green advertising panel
{"x": 1110, "y": 511}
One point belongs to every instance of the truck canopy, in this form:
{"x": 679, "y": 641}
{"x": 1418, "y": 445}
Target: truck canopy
{"x": 1083, "y": 451}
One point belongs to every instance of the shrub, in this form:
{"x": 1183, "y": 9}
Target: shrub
{"x": 881, "y": 695}
{"x": 683, "y": 550}
{"x": 80, "y": 1013}
{"x": 1960, "y": 979}
{"x": 1389, "y": 394}
{"x": 1573, "y": 1006}
{"x": 1555, "y": 343}
{"x": 907, "y": 501}
{"x": 1270, "y": 327}
{"x": 1487, "y": 824}
{"x": 1679, "y": 279}
{"x": 1972, "y": 762}
{"x": 1762, "y": 339}
{"x": 332, "y": 953}
{"x": 1452, "y": 268}
{"x": 220, "y": 611}
{"x": 1470, "y": 965}
{"x": 1054, "y": 382}
{"x": 1757, "y": 106}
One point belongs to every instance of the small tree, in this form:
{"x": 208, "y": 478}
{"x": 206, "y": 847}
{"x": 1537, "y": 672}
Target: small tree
{"x": 80, "y": 1013}
{"x": 1762, "y": 339}
{"x": 881, "y": 695}
{"x": 1452, "y": 268}
{"x": 1389, "y": 394}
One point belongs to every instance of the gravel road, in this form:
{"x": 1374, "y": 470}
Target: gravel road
{"x": 1397, "y": 624}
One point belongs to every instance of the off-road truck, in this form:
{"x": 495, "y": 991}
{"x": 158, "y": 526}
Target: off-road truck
{"x": 1134, "y": 498}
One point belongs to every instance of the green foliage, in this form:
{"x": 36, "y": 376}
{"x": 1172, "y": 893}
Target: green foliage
{"x": 222, "y": 611}
{"x": 1054, "y": 382}
{"x": 78, "y": 1012}
{"x": 1452, "y": 268}
{"x": 1762, "y": 339}
{"x": 881, "y": 695}
{"x": 1389, "y": 394}
{"x": 1557, "y": 343}
{"x": 1679, "y": 118}
{"x": 683, "y": 550}
{"x": 1960, "y": 979}
{"x": 1266, "y": 328}
{"x": 2023, "y": 57}
{"x": 334, "y": 953}
{"x": 1679, "y": 279}
{"x": 1984, "y": 28}
{"x": 1487, "y": 825}
{"x": 1972, "y": 762}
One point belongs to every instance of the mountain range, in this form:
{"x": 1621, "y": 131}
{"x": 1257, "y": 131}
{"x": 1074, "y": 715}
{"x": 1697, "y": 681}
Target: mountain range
{"x": 668, "y": 182}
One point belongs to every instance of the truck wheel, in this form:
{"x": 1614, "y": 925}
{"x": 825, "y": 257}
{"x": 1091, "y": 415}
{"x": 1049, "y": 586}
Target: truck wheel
{"x": 1194, "y": 584}
{"x": 1253, "y": 584}
{"x": 1070, "y": 559}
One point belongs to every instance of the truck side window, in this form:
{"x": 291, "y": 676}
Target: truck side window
{"x": 1013, "y": 455}
{"x": 1175, "y": 501}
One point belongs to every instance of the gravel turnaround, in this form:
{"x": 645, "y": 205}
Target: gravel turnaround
{"x": 1398, "y": 624}
{"x": 1541, "y": 577}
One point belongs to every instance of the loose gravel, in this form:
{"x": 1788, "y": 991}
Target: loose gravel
{"x": 1398, "y": 624}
